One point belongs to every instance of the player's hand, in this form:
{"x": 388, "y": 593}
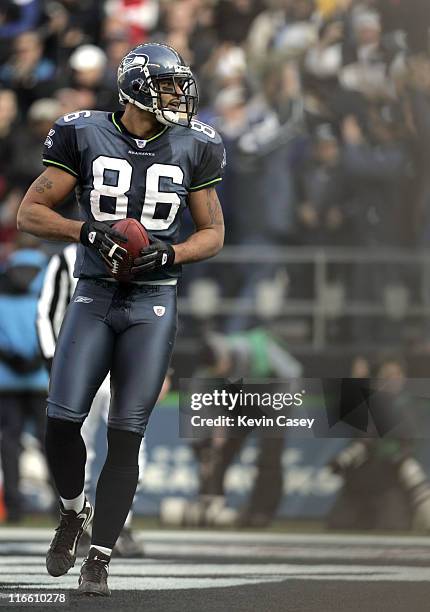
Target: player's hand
{"x": 102, "y": 237}
{"x": 157, "y": 255}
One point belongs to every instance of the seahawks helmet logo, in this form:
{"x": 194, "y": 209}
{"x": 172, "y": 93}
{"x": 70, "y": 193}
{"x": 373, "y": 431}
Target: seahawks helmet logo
{"x": 49, "y": 142}
{"x": 132, "y": 61}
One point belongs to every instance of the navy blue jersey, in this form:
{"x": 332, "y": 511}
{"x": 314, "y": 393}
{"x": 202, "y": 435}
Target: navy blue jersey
{"x": 121, "y": 176}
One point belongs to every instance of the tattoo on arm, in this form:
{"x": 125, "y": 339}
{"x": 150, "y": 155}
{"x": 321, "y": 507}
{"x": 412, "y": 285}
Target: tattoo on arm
{"x": 214, "y": 208}
{"x": 42, "y": 184}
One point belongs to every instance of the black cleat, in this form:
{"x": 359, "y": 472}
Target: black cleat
{"x": 61, "y": 555}
{"x": 128, "y": 546}
{"x": 93, "y": 577}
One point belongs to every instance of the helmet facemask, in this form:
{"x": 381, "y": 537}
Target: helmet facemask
{"x": 186, "y": 100}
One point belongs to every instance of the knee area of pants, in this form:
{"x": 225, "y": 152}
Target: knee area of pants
{"x": 123, "y": 448}
{"x": 59, "y": 431}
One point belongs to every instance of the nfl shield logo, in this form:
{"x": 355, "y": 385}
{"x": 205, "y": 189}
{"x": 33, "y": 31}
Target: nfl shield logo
{"x": 140, "y": 143}
{"x": 159, "y": 310}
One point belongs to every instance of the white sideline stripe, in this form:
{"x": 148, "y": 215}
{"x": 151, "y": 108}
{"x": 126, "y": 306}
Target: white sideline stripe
{"x": 42, "y": 534}
{"x": 238, "y": 575}
{"x": 273, "y": 570}
{"x": 145, "y": 584}
{"x": 39, "y": 560}
{"x": 229, "y": 551}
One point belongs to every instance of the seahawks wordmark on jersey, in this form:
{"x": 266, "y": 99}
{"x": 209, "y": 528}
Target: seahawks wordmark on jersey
{"x": 123, "y": 176}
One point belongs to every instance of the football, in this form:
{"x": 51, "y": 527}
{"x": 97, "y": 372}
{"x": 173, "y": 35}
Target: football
{"x": 137, "y": 240}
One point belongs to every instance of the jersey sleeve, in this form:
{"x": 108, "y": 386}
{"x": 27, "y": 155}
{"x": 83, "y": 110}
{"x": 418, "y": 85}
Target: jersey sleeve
{"x": 60, "y": 149}
{"x": 210, "y": 168}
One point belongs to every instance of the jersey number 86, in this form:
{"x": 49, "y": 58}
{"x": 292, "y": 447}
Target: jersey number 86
{"x": 153, "y": 195}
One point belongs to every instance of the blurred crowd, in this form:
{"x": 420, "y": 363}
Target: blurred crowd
{"x": 323, "y": 105}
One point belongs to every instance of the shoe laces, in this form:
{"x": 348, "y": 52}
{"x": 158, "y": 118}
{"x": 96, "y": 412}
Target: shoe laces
{"x": 95, "y": 569}
{"x": 64, "y": 536}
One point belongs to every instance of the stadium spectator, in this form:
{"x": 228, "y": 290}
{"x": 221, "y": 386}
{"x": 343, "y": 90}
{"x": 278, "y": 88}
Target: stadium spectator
{"x": 377, "y": 170}
{"x": 233, "y": 19}
{"x": 138, "y": 17}
{"x": 116, "y": 47}
{"x": 178, "y": 26}
{"x": 416, "y": 95}
{"x": 28, "y": 72}
{"x": 72, "y": 100}
{"x": 377, "y": 167}
{"x": 9, "y": 195}
{"x": 384, "y": 484}
{"x": 23, "y": 380}
{"x": 28, "y": 140}
{"x": 324, "y": 58}
{"x": 89, "y": 65}
{"x": 16, "y": 18}
{"x": 320, "y": 215}
{"x": 300, "y": 32}
{"x": 411, "y": 18}
{"x": 367, "y": 68}
{"x": 263, "y": 151}
{"x": 264, "y": 28}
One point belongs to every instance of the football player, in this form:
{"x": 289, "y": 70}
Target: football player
{"x": 147, "y": 162}
{"x": 59, "y": 285}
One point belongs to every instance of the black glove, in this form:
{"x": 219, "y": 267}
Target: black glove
{"x": 156, "y": 255}
{"x": 101, "y": 236}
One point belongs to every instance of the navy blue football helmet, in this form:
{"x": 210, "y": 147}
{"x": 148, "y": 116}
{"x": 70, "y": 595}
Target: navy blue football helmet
{"x": 153, "y": 69}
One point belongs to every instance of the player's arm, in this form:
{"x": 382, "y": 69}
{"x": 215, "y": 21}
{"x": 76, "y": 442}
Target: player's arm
{"x": 36, "y": 214}
{"x": 208, "y": 239}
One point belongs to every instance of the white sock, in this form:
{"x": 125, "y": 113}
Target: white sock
{"x": 102, "y": 549}
{"x": 76, "y": 504}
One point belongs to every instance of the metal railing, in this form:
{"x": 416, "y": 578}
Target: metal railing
{"x": 404, "y": 286}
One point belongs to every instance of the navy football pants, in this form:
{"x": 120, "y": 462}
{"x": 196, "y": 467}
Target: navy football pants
{"x": 125, "y": 329}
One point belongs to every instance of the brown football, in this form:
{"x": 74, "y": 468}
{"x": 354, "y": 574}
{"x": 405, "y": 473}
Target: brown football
{"x": 137, "y": 239}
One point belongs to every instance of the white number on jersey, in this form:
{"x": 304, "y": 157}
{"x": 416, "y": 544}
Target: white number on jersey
{"x": 198, "y": 126}
{"x": 123, "y": 171}
{"x": 153, "y": 195}
{"x": 73, "y": 116}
